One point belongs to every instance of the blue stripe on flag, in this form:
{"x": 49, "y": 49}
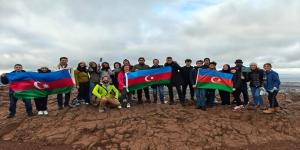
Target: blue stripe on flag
{"x": 142, "y": 73}
{"x": 42, "y": 77}
{"x": 214, "y": 73}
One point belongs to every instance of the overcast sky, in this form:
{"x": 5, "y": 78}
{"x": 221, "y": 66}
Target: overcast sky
{"x": 38, "y": 32}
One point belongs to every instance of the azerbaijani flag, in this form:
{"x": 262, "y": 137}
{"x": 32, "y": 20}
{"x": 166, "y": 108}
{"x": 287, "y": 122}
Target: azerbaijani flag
{"x": 212, "y": 79}
{"x": 34, "y": 85}
{"x": 144, "y": 78}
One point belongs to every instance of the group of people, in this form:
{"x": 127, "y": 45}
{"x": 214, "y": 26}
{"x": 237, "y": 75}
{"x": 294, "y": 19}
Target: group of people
{"x": 106, "y": 87}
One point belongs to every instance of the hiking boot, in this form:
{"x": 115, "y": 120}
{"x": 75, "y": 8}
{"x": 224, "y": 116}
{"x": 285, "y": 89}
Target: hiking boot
{"x": 269, "y": 111}
{"x": 183, "y": 104}
{"x": 60, "y": 107}
{"x": 277, "y": 109}
{"x": 30, "y": 114}
{"x": 171, "y": 103}
{"x": 10, "y": 116}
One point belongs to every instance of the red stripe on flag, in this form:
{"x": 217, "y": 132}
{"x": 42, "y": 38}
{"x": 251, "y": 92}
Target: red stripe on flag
{"x": 156, "y": 77}
{"x": 214, "y": 79}
{"x": 29, "y": 84}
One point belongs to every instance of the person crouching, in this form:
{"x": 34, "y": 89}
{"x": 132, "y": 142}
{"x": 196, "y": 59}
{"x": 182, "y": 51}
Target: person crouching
{"x": 106, "y": 94}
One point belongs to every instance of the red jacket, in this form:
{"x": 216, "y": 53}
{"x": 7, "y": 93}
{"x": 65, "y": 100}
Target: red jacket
{"x": 121, "y": 82}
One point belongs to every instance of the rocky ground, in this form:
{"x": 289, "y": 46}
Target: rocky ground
{"x": 152, "y": 126}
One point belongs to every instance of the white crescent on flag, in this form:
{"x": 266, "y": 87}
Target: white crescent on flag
{"x": 40, "y": 86}
{"x": 216, "y": 80}
{"x": 147, "y": 78}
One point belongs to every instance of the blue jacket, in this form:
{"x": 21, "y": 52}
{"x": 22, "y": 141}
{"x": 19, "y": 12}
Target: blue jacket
{"x": 271, "y": 80}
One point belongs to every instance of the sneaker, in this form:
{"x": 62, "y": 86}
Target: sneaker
{"x": 87, "y": 103}
{"x": 236, "y": 107}
{"x": 119, "y": 107}
{"x": 10, "y": 116}
{"x": 128, "y": 105}
{"x": 101, "y": 110}
{"x": 40, "y": 113}
{"x": 45, "y": 112}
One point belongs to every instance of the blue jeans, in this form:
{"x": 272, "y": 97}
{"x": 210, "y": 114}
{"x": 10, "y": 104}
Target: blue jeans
{"x": 256, "y": 96}
{"x": 13, "y": 104}
{"x": 201, "y": 97}
{"x": 158, "y": 89}
{"x": 92, "y": 85}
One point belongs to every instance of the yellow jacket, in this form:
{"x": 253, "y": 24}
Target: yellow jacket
{"x": 100, "y": 91}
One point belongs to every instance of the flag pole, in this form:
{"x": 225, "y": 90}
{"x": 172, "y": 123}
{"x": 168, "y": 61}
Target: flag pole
{"x": 197, "y": 76}
{"x": 126, "y": 82}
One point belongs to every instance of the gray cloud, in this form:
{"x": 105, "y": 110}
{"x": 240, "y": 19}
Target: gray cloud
{"x": 39, "y": 32}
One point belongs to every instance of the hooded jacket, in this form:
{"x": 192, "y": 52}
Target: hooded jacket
{"x": 101, "y": 91}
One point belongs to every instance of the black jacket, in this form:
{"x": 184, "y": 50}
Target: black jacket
{"x": 256, "y": 78}
{"x": 194, "y": 74}
{"x": 177, "y": 78}
{"x": 187, "y": 73}
{"x": 237, "y": 81}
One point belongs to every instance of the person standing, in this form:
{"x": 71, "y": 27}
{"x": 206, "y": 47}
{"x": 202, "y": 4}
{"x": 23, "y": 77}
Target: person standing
{"x": 225, "y": 96}
{"x": 12, "y": 99}
{"x": 157, "y": 88}
{"x": 94, "y": 73}
{"x": 41, "y": 102}
{"x": 105, "y": 70}
{"x": 176, "y": 80}
{"x": 237, "y": 88}
{"x": 187, "y": 78}
{"x": 211, "y": 93}
{"x": 63, "y": 64}
{"x": 115, "y": 71}
{"x": 239, "y": 68}
{"x": 126, "y": 96}
{"x": 256, "y": 78}
{"x": 142, "y": 66}
{"x": 271, "y": 84}
{"x": 82, "y": 82}
{"x": 200, "y": 92}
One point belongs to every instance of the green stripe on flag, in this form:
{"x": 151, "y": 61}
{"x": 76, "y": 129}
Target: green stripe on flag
{"x": 207, "y": 85}
{"x": 36, "y": 93}
{"x": 146, "y": 84}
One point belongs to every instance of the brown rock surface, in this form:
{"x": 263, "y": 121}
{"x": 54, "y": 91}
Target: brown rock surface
{"x": 152, "y": 126}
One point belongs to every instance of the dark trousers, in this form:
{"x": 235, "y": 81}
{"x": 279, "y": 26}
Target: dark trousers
{"x": 272, "y": 99}
{"x": 179, "y": 92}
{"x": 210, "y": 97}
{"x": 140, "y": 93}
{"x": 13, "y": 104}
{"x": 41, "y": 103}
{"x": 236, "y": 94}
{"x": 184, "y": 88}
{"x": 225, "y": 97}
{"x": 126, "y": 95}
{"x": 60, "y": 101}
{"x": 83, "y": 92}
{"x": 244, "y": 91}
